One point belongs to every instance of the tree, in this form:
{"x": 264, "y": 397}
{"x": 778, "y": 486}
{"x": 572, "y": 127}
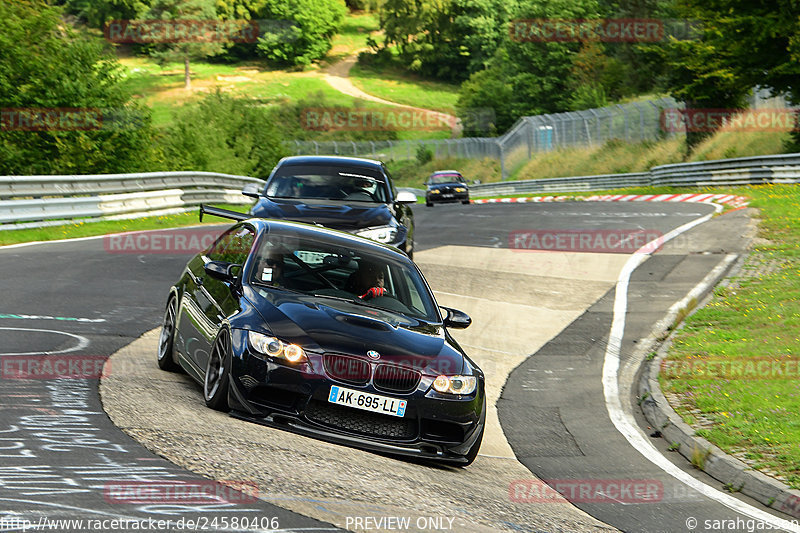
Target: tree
{"x": 291, "y": 32}
{"x": 742, "y": 44}
{"x": 52, "y": 77}
{"x": 96, "y": 13}
{"x": 526, "y": 77}
{"x": 298, "y": 32}
{"x": 190, "y": 48}
{"x": 446, "y": 39}
{"x": 222, "y": 133}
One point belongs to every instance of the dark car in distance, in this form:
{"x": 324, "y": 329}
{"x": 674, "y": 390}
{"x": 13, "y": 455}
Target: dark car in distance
{"x": 326, "y": 334}
{"x": 445, "y": 186}
{"x": 345, "y": 193}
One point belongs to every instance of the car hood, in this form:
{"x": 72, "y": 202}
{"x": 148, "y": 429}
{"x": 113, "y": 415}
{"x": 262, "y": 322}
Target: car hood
{"x": 326, "y": 325}
{"x": 331, "y": 214}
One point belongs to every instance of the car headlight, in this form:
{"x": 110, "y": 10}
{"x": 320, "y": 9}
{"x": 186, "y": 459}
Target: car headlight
{"x": 383, "y": 234}
{"x": 276, "y": 348}
{"x": 435, "y": 191}
{"x": 455, "y": 384}
{"x": 461, "y": 189}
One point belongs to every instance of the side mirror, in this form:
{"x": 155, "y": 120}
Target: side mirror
{"x": 221, "y": 270}
{"x": 251, "y": 191}
{"x": 456, "y": 319}
{"x": 406, "y": 197}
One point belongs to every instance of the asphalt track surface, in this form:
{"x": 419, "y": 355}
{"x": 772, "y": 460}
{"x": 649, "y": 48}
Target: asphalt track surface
{"x": 60, "y": 453}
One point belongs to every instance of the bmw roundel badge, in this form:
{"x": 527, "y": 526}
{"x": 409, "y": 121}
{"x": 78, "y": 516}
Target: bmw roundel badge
{"x": 372, "y": 354}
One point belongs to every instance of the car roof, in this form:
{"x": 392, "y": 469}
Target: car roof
{"x": 332, "y": 236}
{"x": 446, "y": 172}
{"x": 330, "y": 160}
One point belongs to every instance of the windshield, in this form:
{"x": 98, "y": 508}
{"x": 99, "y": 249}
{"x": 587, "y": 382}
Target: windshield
{"x": 347, "y": 184}
{"x": 332, "y": 271}
{"x": 446, "y": 178}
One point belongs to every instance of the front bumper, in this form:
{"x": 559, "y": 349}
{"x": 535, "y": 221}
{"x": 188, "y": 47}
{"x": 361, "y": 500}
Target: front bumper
{"x": 295, "y": 399}
{"x": 448, "y": 197}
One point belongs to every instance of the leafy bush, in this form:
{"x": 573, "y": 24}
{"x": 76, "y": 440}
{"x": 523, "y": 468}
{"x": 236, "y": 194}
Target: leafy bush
{"x": 49, "y": 69}
{"x": 222, "y": 133}
{"x": 315, "y": 22}
{"x": 424, "y": 154}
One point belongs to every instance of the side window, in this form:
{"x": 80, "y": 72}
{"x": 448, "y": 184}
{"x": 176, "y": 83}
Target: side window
{"x": 233, "y": 246}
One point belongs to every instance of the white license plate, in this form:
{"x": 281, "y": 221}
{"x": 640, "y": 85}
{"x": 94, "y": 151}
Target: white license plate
{"x": 447, "y": 196}
{"x": 368, "y": 402}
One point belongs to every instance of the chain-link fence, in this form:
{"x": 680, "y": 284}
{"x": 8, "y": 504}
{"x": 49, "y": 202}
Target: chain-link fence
{"x": 636, "y": 121}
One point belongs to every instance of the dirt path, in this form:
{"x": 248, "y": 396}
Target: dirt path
{"x": 338, "y": 77}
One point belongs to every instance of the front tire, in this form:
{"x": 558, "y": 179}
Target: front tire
{"x": 166, "y": 350}
{"x": 217, "y": 379}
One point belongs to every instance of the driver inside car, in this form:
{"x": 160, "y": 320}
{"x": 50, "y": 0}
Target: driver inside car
{"x": 368, "y": 281}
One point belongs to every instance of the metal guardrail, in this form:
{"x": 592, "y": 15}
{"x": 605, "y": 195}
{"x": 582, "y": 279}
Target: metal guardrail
{"x": 26, "y": 186}
{"x": 741, "y": 171}
{"x": 34, "y": 201}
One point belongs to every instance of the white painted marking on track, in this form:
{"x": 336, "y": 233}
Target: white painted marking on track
{"x": 95, "y": 237}
{"x": 83, "y": 342}
{"x": 628, "y": 427}
{"x": 48, "y": 317}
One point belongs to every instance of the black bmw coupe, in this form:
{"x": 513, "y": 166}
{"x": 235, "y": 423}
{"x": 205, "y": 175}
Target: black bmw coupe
{"x": 445, "y": 186}
{"x": 346, "y": 193}
{"x": 326, "y": 334}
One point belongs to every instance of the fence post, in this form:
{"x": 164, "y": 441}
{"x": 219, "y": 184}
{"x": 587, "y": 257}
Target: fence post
{"x": 503, "y": 174}
{"x": 641, "y": 120}
{"x": 624, "y": 120}
{"x": 658, "y": 117}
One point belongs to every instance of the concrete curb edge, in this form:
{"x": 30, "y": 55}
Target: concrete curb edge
{"x": 736, "y": 475}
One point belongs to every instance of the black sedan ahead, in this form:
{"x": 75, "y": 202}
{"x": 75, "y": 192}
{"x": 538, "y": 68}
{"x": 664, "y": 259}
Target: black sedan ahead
{"x": 346, "y": 193}
{"x": 445, "y": 186}
{"x": 325, "y": 334}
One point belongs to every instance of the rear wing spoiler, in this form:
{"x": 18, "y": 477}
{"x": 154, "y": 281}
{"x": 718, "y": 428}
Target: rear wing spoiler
{"x": 224, "y": 213}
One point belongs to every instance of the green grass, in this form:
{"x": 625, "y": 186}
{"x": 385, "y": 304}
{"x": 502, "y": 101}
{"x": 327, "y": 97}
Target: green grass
{"x": 161, "y": 88}
{"x": 86, "y": 228}
{"x": 409, "y": 173}
{"x": 405, "y": 88}
{"x": 617, "y": 156}
{"x": 757, "y": 318}
{"x": 613, "y": 157}
{"x": 352, "y": 35}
